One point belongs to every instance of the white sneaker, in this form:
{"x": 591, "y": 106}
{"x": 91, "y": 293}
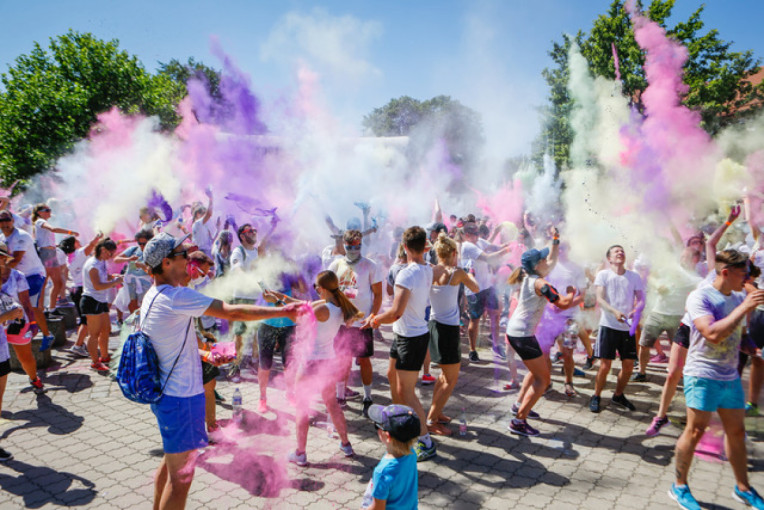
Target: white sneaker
{"x": 79, "y": 350}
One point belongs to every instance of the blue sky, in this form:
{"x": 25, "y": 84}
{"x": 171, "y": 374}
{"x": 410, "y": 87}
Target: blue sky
{"x": 487, "y": 54}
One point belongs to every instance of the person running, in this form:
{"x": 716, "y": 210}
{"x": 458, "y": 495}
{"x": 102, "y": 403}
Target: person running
{"x": 535, "y": 292}
{"x": 316, "y": 366}
{"x": 361, "y": 280}
{"x": 78, "y": 255}
{"x": 136, "y": 279}
{"x": 444, "y": 328}
{"x": 411, "y": 332}
{"x": 45, "y": 236}
{"x": 621, "y": 296}
{"x": 202, "y": 232}
{"x": 15, "y": 294}
{"x": 711, "y": 380}
{"x": 94, "y": 304}
{"x": 167, "y": 312}
{"x": 25, "y": 260}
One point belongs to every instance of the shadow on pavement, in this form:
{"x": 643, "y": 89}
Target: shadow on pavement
{"x": 58, "y": 419}
{"x": 40, "y": 485}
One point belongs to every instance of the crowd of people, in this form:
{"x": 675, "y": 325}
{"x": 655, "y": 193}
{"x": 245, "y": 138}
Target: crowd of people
{"x": 451, "y": 279}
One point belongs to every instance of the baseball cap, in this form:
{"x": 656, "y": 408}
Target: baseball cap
{"x": 6, "y": 214}
{"x": 159, "y": 247}
{"x": 436, "y": 226}
{"x": 471, "y": 228}
{"x": 532, "y": 257}
{"x": 400, "y": 421}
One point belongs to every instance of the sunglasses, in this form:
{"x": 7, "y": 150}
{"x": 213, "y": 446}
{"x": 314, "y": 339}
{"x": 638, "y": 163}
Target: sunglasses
{"x": 2, "y": 220}
{"x": 249, "y": 231}
{"x": 182, "y": 253}
{"x": 356, "y": 247}
{"x": 142, "y": 244}
{"x": 44, "y": 210}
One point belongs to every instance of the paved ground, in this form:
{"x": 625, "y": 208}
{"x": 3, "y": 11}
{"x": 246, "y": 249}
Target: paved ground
{"x": 84, "y": 445}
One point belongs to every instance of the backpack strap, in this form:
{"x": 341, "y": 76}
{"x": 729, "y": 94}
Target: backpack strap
{"x": 140, "y": 324}
{"x": 185, "y": 339}
{"x": 243, "y": 253}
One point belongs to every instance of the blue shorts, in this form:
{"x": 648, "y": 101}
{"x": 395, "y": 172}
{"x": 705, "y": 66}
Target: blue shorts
{"x": 181, "y": 423}
{"x": 709, "y": 395}
{"x": 35, "y": 283}
{"x": 484, "y": 300}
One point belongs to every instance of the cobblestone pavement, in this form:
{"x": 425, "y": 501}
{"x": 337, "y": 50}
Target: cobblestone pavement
{"x": 82, "y": 444}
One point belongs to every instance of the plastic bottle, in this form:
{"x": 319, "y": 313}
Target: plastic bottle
{"x": 236, "y": 404}
{"x": 463, "y": 424}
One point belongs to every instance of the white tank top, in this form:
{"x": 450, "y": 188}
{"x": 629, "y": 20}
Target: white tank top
{"x": 87, "y": 283}
{"x": 323, "y": 347}
{"x": 444, "y": 305}
{"x": 530, "y": 308}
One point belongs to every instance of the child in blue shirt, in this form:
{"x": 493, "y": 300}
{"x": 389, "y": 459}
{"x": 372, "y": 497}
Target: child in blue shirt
{"x": 394, "y": 484}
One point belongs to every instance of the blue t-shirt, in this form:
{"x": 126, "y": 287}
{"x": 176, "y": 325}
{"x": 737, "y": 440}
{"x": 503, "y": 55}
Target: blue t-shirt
{"x": 395, "y": 481}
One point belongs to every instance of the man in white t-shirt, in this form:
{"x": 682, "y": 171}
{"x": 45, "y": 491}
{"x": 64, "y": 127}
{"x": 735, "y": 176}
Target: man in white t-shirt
{"x": 711, "y": 380}
{"x": 620, "y": 294}
{"x": 243, "y": 260}
{"x": 167, "y": 313}
{"x": 475, "y": 261}
{"x": 411, "y": 333}
{"x": 361, "y": 280}
{"x": 202, "y": 233}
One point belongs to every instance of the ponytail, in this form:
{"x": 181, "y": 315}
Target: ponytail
{"x": 328, "y": 280}
{"x": 517, "y": 276}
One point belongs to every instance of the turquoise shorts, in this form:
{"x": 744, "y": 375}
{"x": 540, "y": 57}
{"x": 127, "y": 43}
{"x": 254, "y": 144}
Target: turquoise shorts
{"x": 709, "y": 395}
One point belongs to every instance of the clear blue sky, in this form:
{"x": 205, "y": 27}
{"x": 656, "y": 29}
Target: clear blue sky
{"x": 487, "y": 54}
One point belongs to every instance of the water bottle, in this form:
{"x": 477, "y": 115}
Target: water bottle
{"x": 570, "y": 337}
{"x": 236, "y": 405}
{"x": 463, "y": 424}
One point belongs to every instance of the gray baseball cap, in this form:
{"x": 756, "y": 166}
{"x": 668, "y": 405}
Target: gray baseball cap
{"x": 159, "y": 247}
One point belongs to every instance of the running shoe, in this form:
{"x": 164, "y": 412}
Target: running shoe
{"x": 656, "y": 426}
{"x": 99, "y": 366}
{"x": 594, "y": 404}
{"x": 427, "y": 379}
{"x": 342, "y": 403}
{"x": 622, "y": 401}
{"x": 748, "y": 498}
{"x": 474, "y": 357}
{"x": 512, "y": 385}
{"x": 684, "y": 497}
{"x": 423, "y": 453}
{"x": 499, "y": 351}
{"x": 531, "y": 414}
{"x": 262, "y": 406}
{"x": 751, "y": 409}
{"x": 300, "y": 459}
{"x": 521, "y": 428}
{"x": 347, "y": 449}
{"x": 659, "y": 358}
{"x": 234, "y": 374}
{"x": 47, "y": 342}
{"x": 639, "y": 377}
{"x": 577, "y": 372}
{"x": 79, "y": 350}
{"x": 589, "y": 363}
{"x": 557, "y": 357}
{"x": 351, "y": 394}
{"x": 5, "y": 455}
{"x": 105, "y": 360}
{"x": 366, "y": 405}
{"x": 37, "y": 386}
{"x": 219, "y": 397}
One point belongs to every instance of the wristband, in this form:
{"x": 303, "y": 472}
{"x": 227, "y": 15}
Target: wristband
{"x": 374, "y": 322}
{"x": 728, "y": 223}
{"x": 555, "y": 241}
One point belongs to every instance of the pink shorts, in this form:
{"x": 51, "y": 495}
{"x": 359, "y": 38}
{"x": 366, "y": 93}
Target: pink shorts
{"x": 20, "y": 339}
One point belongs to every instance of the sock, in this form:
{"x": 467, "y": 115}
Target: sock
{"x": 426, "y": 439}
{"x": 341, "y": 390}
{"x": 680, "y": 486}
{"x": 367, "y": 391}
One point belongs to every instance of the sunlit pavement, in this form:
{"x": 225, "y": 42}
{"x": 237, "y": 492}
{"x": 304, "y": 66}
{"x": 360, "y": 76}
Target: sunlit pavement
{"x": 82, "y": 444}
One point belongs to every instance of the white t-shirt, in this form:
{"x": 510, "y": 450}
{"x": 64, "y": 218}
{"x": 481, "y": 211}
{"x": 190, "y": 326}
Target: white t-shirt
{"x": 563, "y": 275}
{"x": 469, "y": 260}
{"x": 705, "y": 359}
{"x": 20, "y": 240}
{"x": 672, "y": 299}
{"x": 418, "y": 279}
{"x": 243, "y": 259}
{"x": 323, "y": 346}
{"x": 202, "y": 235}
{"x": 166, "y": 323}
{"x": 87, "y": 283}
{"x": 76, "y": 263}
{"x": 327, "y": 257}
{"x": 44, "y": 237}
{"x": 356, "y": 281}
{"x": 620, "y": 292}
{"x": 198, "y": 284}
{"x": 10, "y": 290}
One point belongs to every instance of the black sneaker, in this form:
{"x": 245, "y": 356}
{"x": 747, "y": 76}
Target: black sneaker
{"x": 474, "y": 357}
{"x": 342, "y": 403}
{"x": 622, "y": 401}
{"x": 5, "y": 456}
{"x": 639, "y": 377}
{"x": 589, "y": 363}
{"x": 557, "y": 357}
{"x": 594, "y": 404}
{"x": 366, "y": 405}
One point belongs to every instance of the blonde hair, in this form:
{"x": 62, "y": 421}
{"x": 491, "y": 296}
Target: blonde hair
{"x": 401, "y": 449}
{"x": 328, "y": 280}
{"x": 445, "y": 247}
{"x": 517, "y": 276}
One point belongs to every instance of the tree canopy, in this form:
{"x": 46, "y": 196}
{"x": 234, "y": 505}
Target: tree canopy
{"x": 716, "y": 75}
{"x": 52, "y": 95}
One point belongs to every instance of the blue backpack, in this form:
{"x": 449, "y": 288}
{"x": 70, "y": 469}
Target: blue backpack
{"x": 138, "y": 372}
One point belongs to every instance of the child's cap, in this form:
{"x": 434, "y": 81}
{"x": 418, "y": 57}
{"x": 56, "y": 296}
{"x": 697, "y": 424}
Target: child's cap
{"x": 400, "y": 421}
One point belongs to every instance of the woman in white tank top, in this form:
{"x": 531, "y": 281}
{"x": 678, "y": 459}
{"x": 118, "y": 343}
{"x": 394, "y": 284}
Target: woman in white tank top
{"x": 535, "y": 292}
{"x": 444, "y": 328}
{"x": 317, "y": 368}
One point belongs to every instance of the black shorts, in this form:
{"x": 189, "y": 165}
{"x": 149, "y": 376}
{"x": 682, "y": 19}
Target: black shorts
{"x": 610, "y": 341}
{"x": 484, "y": 300}
{"x": 682, "y": 336}
{"x": 90, "y": 306}
{"x": 209, "y": 372}
{"x": 527, "y": 347}
{"x": 354, "y": 342}
{"x": 5, "y": 368}
{"x": 756, "y": 328}
{"x": 268, "y": 337}
{"x": 445, "y": 344}
{"x": 409, "y": 351}
{"x": 76, "y": 296}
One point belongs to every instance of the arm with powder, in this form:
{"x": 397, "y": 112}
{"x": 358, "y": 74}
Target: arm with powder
{"x": 717, "y": 235}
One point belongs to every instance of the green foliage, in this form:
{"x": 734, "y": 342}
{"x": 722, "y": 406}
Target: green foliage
{"x": 715, "y": 75}
{"x": 51, "y": 98}
{"x": 426, "y": 122}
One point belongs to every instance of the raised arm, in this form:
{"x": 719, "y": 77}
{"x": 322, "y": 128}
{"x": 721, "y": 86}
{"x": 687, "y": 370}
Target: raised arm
{"x": 717, "y": 235}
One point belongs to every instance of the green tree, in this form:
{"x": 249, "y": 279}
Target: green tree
{"x": 51, "y": 98}
{"x": 716, "y": 76}
{"x": 178, "y": 74}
